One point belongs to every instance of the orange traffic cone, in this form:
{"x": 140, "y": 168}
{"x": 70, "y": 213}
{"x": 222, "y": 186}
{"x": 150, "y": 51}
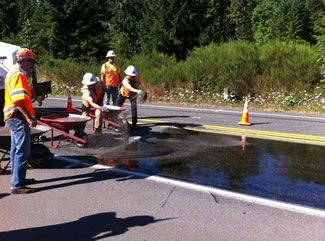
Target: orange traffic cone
{"x": 69, "y": 105}
{"x": 245, "y": 120}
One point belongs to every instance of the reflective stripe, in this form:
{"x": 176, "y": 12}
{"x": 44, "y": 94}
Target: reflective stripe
{"x": 18, "y": 92}
{"x": 9, "y": 109}
{"x": 111, "y": 78}
{"x": 10, "y": 77}
{"x": 17, "y": 89}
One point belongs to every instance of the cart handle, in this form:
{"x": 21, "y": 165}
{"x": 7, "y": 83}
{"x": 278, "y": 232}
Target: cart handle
{"x": 62, "y": 132}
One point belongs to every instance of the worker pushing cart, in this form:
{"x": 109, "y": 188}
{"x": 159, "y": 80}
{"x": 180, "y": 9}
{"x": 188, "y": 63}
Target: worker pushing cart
{"x": 93, "y": 92}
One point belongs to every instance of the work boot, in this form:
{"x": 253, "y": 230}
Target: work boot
{"x": 23, "y": 190}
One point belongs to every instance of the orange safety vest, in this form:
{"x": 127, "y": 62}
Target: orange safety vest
{"x": 111, "y": 79}
{"x": 97, "y": 94}
{"x": 17, "y": 88}
{"x": 125, "y": 92}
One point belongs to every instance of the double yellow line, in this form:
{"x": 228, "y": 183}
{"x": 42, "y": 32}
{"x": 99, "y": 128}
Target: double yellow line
{"x": 289, "y": 137}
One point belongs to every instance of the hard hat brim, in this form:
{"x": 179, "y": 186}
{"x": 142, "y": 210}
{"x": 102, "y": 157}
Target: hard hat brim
{"x": 88, "y": 82}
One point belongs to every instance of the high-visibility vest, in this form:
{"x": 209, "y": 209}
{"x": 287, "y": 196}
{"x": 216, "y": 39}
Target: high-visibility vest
{"x": 125, "y": 92}
{"x": 96, "y": 94}
{"x": 111, "y": 78}
{"x": 17, "y": 88}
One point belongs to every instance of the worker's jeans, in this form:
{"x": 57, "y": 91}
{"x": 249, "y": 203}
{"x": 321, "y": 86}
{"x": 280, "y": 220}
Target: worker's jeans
{"x": 19, "y": 151}
{"x": 111, "y": 90}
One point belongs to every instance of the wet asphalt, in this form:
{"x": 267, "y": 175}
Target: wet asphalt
{"x": 80, "y": 200}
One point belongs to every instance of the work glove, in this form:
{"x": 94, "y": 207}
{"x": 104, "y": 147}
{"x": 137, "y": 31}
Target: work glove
{"x": 104, "y": 108}
{"x": 142, "y": 96}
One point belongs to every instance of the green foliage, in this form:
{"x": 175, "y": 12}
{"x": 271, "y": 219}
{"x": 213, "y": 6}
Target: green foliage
{"x": 65, "y": 72}
{"x": 239, "y": 15}
{"x": 233, "y": 65}
{"x": 287, "y": 66}
{"x": 8, "y": 19}
{"x": 72, "y": 29}
{"x": 173, "y": 28}
{"x": 287, "y": 20}
{"x": 214, "y": 26}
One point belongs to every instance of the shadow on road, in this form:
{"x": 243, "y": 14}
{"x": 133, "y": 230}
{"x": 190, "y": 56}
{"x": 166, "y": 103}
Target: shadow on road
{"x": 92, "y": 227}
{"x": 96, "y": 176}
{"x": 2, "y": 195}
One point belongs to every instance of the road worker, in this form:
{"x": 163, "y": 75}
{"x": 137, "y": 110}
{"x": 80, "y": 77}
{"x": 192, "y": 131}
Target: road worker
{"x": 93, "y": 92}
{"x": 129, "y": 90}
{"x": 110, "y": 75}
{"x": 19, "y": 117}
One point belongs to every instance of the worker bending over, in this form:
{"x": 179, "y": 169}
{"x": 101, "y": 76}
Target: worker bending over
{"x": 129, "y": 90}
{"x": 93, "y": 92}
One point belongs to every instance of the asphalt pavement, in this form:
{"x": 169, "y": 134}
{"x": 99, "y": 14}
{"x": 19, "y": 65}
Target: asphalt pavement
{"x": 77, "y": 200}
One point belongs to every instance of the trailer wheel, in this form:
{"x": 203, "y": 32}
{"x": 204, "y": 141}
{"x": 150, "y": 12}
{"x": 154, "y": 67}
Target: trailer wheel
{"x": 81, "y": 135}
{"x": 40, "y": 156}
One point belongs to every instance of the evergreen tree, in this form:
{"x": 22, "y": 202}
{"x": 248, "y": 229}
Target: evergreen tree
{"x": 316, "y": 19}
{"x": 172, "y": 26}
{"x": 264, "y": 21}
{"x": 71, "y": 28}
{"x": 240, "y": 15}
{"x": 9, "y": 15}
{"x": 124, "y": 28}
{"x": 214, "y": 22}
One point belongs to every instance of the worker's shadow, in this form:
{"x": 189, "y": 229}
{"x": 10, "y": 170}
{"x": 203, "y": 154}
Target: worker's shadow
{"x": 86, "y": 178}
{"x": 93, "y": 227}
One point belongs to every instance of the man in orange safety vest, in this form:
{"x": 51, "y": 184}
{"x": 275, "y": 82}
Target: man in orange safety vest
{"x": 110, "y": 75}
{"x": 19, "y": 117}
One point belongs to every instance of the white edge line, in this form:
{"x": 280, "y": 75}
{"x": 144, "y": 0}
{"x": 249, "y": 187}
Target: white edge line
{"x": 228, "y": 194}
{"x": 214, "y": 110}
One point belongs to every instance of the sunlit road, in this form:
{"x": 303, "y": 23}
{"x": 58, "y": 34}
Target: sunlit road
{"x": 96, "y": 203}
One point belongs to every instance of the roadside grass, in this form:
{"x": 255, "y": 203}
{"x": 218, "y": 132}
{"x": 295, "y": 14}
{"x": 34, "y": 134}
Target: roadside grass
{"x": 279, "y": 76}
{"x": 300, "y": 102}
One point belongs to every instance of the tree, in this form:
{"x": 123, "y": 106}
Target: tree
{"x": 124, "y": 28}
{"x": 239, "y": 14}
{"x": 287, "y": 20}
{"x": 71, "y": 28}
{"x": 214, "y": 22}
{"x": 264, "y": 21}
{"x": 8, "y": 19}
{"x": 171, "y": 26}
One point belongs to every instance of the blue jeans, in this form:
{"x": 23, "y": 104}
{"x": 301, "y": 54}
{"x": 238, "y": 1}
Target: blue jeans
{"x": 19, "y": 150}
{"x": 111, "y": 90}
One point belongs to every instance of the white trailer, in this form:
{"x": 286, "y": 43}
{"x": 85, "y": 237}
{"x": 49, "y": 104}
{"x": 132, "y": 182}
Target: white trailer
{"x": 7, "y": 61}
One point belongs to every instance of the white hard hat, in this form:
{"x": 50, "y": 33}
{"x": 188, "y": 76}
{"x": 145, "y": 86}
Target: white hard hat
{"x": 110, "y": 53}
{"x": 131, "y": 71}
{"x": 89, "y": 79}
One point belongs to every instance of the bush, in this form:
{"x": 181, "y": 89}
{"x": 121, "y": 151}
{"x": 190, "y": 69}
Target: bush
{"x": 287, "y": 66}
{"x": 239, "y": 65}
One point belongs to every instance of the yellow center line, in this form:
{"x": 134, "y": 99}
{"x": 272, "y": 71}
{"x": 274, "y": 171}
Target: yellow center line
{"x": 290, "y": 137}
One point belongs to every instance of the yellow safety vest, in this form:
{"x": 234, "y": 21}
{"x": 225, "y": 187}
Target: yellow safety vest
{"x": 125, "y": 92}
{"x": 17, "y": 88}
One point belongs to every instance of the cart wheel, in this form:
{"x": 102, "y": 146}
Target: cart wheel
{"x": 39, "y": 156}
{"x": 81, "y": 135}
